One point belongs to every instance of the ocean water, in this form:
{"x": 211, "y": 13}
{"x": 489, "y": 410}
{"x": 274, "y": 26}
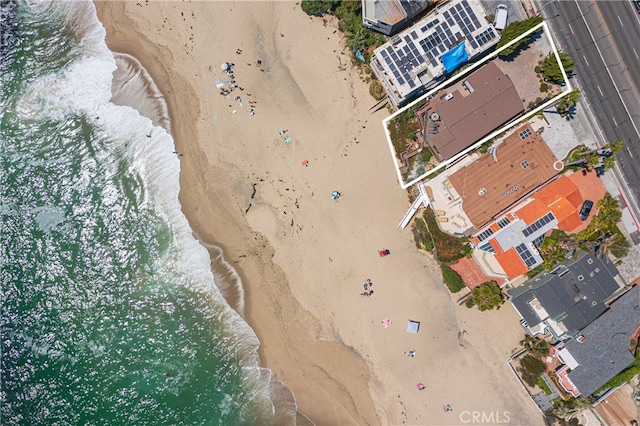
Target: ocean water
{"x": 110, "y": 312}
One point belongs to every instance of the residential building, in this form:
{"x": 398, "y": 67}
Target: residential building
{"x": 603, "y": 348}
{"x": 458, "y": 118}
{"x": 412, "y": 60}
{"x": 564, "y": 301}
{"x": 515, "y": 235}
{"x": 390, "y": 16}
{"x": 512, "y": 169}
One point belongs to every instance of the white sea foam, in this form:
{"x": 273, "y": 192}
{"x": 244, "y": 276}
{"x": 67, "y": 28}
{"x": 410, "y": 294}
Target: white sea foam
{"x": 133, "y": 86}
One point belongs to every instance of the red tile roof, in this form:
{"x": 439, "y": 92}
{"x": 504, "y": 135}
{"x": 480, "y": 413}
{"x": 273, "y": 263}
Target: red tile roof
{"x": 471, "y": 273}
{"x": 511, "y": 263}
{"x": 561, "y": 197}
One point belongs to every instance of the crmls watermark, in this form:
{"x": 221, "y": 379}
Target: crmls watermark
{"x": 484, "y": 417}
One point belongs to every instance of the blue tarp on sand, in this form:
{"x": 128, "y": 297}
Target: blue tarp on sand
{"x": 454, "y": 58}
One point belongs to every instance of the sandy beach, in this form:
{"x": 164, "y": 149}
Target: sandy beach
{"x": 302, "y": 256}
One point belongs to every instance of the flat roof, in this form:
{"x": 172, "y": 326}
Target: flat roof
{"x": 457, "y": 119}
{"x": 496, "y": 180}
{"x": 411, "y": 59}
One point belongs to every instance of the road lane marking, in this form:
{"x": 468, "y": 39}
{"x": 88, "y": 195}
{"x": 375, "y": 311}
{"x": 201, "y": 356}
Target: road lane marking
{"x": 571, "y": 28}
{"x": 620, "y": 20}
{"x": 635, "y": 53}
{"x": 600, "y": 90}
{"x": 615, "y": 123}
{"x": 630, "y": 152}
{"x": 587, "y": 62}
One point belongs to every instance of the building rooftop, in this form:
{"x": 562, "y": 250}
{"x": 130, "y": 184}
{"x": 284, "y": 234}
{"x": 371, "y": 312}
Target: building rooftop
{"x": 391, "y": 12}
{"x": 516, "y": 236}
{"x": 605, "y": 349}
{"x": 562, "y": 197}
{"x": 411, "y": 59}
{"x": 456, "y": 120}
{"x": 496, "y": 180}
{"x": 573, "y": 293}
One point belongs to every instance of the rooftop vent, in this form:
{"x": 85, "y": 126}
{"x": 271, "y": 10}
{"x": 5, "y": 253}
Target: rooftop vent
{"x": 435, "y": 116}
{"x": 580, "y": 277}
{"x": 468, "y": 86}
{"x": 482, "y": 191}
{"x": 581, "y": 338}
{"x": 590, "y": 261}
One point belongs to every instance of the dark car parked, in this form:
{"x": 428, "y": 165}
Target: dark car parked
{"x": 586, "y": 209}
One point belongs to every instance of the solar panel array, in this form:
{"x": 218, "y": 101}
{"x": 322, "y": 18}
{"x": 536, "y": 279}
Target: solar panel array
{"x": 485, "y": 234}
{"x": 538, "y": 224}
{"x": 525, "y": 255}
{"x": 439, "y": 39}
{"x": 485, "y": 37}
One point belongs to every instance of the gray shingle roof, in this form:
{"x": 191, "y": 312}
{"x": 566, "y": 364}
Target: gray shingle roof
{"x": 605, "y": 351}
{"x": 574, "y": 294}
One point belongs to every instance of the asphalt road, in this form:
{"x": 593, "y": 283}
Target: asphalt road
{"x": 604, "y": 40}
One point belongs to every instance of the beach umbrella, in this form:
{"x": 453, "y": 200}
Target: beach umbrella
{"x": 224, "y": 66}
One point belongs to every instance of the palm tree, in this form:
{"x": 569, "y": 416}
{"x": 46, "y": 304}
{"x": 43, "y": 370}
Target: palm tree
{"x": 552, "y": 256}
{"x": 615, "y": 244}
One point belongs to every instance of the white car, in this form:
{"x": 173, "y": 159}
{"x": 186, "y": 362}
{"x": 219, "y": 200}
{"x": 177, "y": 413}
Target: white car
{"x": 500, "y": 19}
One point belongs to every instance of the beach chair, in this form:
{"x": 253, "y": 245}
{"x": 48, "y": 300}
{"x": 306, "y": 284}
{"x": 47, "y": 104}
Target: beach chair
{"x": 384, "y": 253}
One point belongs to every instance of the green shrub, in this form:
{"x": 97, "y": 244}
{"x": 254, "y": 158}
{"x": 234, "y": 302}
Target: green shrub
{"x": 551, "y": 68}
{"x": 317, "y": 7}
{"x": 448, "y": 248}
{"x": 451, "y": 278}
{"x": 376, "y": 90}
{"x": 543, "y": 385}
{"x": 402, "y": 127}
{"x": 513, "y": 31}
{"x": 537, "y": 69}
{"x": 532, "y": 364}
{"x": 544, "y": 87}
{"x": 426, "y": 155}
{"x": 488, "y": 296}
